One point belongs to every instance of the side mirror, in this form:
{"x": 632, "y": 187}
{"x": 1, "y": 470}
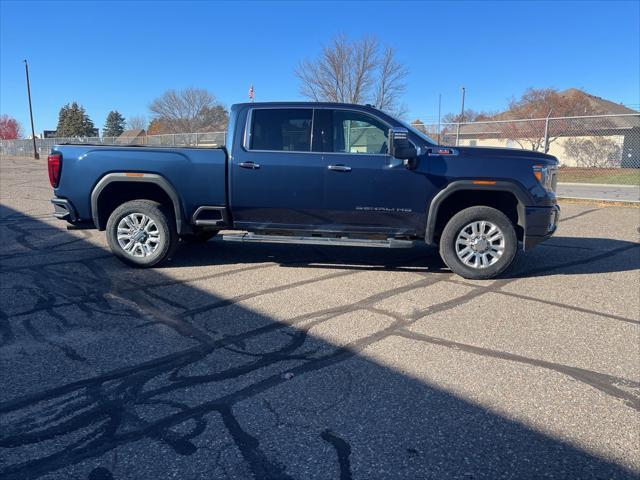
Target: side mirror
{"x": 400, "y": 147}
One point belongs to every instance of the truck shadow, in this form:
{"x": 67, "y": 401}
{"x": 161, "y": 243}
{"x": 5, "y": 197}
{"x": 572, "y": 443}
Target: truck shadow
{"x": 110, "y": 372}
{"x": 215, "y": 252}
{"x": 577, "y": 256}
{"x": 557, "y": 256}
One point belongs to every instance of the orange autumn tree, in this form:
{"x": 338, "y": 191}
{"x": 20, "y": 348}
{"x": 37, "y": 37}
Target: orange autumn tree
{"x": 534, "y": 106}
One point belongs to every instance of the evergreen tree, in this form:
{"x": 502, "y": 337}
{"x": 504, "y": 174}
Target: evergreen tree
{"x": 73, "y": 121}
{"x": 114, "y": 126}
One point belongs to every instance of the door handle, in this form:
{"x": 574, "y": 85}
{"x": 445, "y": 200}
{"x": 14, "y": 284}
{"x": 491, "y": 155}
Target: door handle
{"x": 339, "y": 168}
{"x": 251, "y": 165}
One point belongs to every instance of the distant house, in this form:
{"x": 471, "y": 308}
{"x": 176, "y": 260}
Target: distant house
{"x": 612, "y": 141}
{"x": 131, "y": 137}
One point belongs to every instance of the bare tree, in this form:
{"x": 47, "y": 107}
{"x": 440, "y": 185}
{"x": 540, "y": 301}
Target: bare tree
{"x": 525, "y": 119}
{"x": 430, "y": 129}
{"x": 391, "y": 82}
{"x": 189, "y": 110}
{"x": 137, "y": 122}
{"x": 449, "y": 121}
{"x": 538, "y": 103}
{"x": 354, "y": 71}
{"x": 468, "y": 116}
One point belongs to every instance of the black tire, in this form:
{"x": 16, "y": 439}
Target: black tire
{"x": 453, "y": 229}
{"x": 199, "y": 236}
{"x": 167, "y": 236}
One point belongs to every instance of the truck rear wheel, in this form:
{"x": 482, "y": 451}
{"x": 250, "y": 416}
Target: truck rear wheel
{"x": 142, "y": 233}
{"x": 478, "y": 243}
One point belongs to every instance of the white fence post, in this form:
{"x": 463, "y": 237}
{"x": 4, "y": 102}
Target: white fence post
{"x": 546, "y": 134}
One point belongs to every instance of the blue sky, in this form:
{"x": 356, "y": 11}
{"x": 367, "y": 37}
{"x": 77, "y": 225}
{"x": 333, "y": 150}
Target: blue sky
{"x": 121, "y": 55}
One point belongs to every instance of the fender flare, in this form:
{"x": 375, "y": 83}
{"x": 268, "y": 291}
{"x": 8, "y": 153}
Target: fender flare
{"x": 128, "y": 177}
{"x": 524, "y": 198}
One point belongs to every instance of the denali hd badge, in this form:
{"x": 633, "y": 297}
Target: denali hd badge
{"x": 384, "y": 209}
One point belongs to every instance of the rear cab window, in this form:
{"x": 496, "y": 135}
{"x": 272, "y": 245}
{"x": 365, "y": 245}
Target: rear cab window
{"x": 283, "y": 130}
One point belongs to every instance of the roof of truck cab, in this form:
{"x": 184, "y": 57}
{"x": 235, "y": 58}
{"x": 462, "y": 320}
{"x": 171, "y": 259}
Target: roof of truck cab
{"x": 302, "y": 104}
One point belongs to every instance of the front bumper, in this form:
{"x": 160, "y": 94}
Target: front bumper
{"x": 540, "y": 224}
{"x": 64, "y": 210}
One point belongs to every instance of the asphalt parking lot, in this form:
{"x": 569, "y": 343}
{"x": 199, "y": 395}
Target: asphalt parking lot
{"x": 272, "y": 361}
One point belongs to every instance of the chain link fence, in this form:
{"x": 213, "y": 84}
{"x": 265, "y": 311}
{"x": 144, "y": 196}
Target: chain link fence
{"x": 602, "y": 149}
{"x": 24, "y": 147}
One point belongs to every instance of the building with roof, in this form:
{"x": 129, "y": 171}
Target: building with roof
{"x": 609, "y": 136}
{"x": 135, "y": 136}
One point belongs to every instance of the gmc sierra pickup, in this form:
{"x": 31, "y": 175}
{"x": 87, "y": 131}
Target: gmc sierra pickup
{"x": 312, "y": 173}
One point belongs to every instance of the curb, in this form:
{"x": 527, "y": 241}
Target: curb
{"x": 615, "y": 185}
{"x": 605, "y": 200}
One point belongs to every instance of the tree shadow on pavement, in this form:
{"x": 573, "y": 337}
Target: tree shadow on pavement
{"x": 111, "y": 372}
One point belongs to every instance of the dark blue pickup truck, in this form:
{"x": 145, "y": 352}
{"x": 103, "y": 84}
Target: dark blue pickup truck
{"x": 312, "y": 173}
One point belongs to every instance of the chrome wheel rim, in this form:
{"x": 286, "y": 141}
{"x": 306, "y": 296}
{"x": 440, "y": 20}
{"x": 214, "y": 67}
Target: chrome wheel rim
{"x": 480, "y": 244}
{"x": 138, "y": 235}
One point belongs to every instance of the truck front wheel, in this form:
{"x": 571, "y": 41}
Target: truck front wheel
{"x": 142, "y": 233}
{"x": 478, "y": 243}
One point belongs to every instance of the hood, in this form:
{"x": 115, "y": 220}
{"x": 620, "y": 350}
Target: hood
{"x": 508, "y": 154}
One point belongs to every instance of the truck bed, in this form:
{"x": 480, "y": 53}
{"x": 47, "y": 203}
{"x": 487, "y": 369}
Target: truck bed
{"x": 198, "y": 175}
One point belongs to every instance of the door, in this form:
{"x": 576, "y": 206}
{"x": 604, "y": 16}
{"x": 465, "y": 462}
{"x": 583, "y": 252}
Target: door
{"x": 366, "y": 189}
{"x": 277, "y": 181}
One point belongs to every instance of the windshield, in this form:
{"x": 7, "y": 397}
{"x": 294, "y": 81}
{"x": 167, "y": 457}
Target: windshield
{"x": 417, "y": 132}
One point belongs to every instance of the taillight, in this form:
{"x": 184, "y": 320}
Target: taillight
{"x": 54, "y": 163}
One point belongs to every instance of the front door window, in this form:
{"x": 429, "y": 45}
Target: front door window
{"x": 354, "y": 132}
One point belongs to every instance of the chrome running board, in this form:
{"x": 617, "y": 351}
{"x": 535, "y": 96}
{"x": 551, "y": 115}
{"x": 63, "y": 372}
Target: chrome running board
{"x": 341, "y": 241}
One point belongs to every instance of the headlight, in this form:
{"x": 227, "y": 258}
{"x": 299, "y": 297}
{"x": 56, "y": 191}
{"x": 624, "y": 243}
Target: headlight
{"x": 546, "y": 176}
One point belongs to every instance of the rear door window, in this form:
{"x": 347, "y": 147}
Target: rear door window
{"x": 287, "y": 130}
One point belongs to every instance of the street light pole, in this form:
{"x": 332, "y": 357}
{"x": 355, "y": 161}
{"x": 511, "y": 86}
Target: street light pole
{"x": 460, "y": 119}
{"x": 439, "y": 105}
{"x": 36, "y": 155}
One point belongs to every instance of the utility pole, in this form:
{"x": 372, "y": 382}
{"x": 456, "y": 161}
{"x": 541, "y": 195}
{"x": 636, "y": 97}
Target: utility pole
{"x": 460, "y": 119}
{"x": 36, "y": 155}
{"x": 439, "y": 109}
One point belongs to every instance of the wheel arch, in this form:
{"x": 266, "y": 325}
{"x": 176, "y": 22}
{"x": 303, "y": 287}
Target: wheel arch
{"x": 492, "y": 194}
{"x": 155, "y": 185}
